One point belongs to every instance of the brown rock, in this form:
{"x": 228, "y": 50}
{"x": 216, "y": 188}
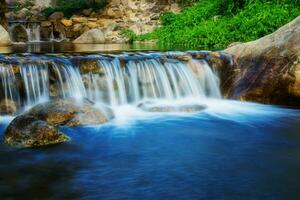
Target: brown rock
{"x": 46, "y": 24}
{"x": 266, "y": 70}
{"x": 8, "y": 107}
{"x": 56, "y": 16}
{"x": 69, "y": 112}
{"x": 78, "y": 19}
{"x": 26, "y": 131}
{"x": 88, "y": 66}
{"x": 93, "y": 36}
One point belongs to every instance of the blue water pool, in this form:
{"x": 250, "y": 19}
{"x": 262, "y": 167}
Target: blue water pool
{"x": 230, "y": 151}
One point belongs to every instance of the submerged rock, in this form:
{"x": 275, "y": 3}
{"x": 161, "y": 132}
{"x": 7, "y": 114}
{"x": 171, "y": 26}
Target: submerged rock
{"x": 70, "y": 112}
{"x": 166, "y": 108}
{"x": 266, "y": 70}
{"x": 27, "y": 131}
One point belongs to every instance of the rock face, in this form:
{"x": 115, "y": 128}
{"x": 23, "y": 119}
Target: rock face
{"x": 94, "y": 36}
{"x": 4, "y": 37}
{"x": 27, "y": 131}
{"x": 266, "y": 70}
{"x": 69, "y": 112}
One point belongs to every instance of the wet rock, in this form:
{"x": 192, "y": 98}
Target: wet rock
{"x": 267, "y": 70}
{"x": 167, "y": 108}
{"x": 87, "y": 65}
{"x": 8, "y": 107}
{"x": 94, "y": 36}
{"x": 70, "y": 112}
{"x": 4, "y": 37}
{"x": 27, "y": 131}
{"x": 181, "y": 56}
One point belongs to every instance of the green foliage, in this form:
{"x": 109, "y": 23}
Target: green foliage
{"x": 214, "y": 24}
{"x": 27, "y": 4}
{"x": 70, "y": 7}
{"x": 129, "y": 34}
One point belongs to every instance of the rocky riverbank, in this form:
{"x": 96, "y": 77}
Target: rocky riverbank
{"x": 119, "y": 15}
{"x": 266, "y": 70}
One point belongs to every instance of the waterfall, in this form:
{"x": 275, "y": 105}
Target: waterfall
{"x": 8, "y": 89}
{"x": 114, "y": 80}
{"x": 33, "y": 32}
{"x": 69, "y": 79}
{"x": 36, "y": 82}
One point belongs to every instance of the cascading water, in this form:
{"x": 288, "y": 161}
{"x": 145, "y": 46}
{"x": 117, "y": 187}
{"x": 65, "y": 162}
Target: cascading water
{"x": 69, "y": 79}
{"x": 8, "y": 90}
{"x": 33, "y": 32}
{"x": 115, "y": 80}
{"x": 36, "y": 82}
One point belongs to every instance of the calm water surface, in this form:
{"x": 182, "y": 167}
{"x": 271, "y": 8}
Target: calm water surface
{"x": 230, "y": 151}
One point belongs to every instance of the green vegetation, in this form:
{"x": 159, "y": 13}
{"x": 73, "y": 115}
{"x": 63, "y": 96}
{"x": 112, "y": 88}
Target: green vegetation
{"x": 69, "y": 7}
{"x": 27, "y": 4}
{"x": 214, "y": 24}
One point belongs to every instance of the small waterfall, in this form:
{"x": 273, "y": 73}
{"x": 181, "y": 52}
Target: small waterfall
{"x": 69, "y": 79}
{"x": 114, "y": 80}
{"x": 8, "y": 89}
{"x": 36, "y": 82}
{"x": 33, "y": 32}
{"x": 206, "y": 77}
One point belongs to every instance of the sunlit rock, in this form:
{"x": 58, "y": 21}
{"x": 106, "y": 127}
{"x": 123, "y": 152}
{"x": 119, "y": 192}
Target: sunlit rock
{"x": 266, "y": 70}
{"x": 70, "y": 112}
{"x": 4, "y": 37}
{"x": 67, "y": 22}
{"x": 94, "y": 36}
{"x": 27, "y": 131}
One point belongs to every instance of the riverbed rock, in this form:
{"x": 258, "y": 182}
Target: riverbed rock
{"x": 70, "y": 112}
{"x": 4, "y": 37}
{"x": 27, "y": 131}
{"x": 149, "y": 106}
{"x": 266, "y": 70}
{"x": 93, "y": 36}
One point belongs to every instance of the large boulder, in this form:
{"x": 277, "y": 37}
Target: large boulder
{"x": 27, "y": 131}
{"x": 266, "y": 70}
{"x": 93, "y": 36}
{"x": 70, "y": 112}
{"x": 4, "y": 37}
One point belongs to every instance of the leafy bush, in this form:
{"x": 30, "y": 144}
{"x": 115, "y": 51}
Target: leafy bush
{"x": 214, "y": 24}
{"x": 69, "y": 7}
